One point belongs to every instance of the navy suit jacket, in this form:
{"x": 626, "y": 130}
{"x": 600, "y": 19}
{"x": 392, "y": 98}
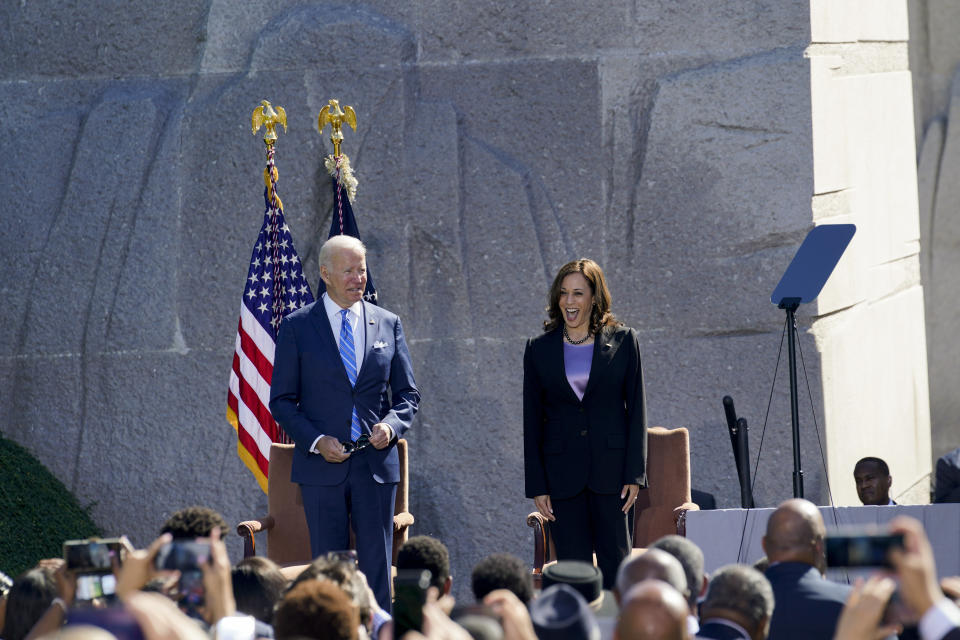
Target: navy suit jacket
{"x": 599, "y": 442}
{"x": 806, "y": 605}
{"x": 310, "y": 394}
{"x": 947, "y": 484}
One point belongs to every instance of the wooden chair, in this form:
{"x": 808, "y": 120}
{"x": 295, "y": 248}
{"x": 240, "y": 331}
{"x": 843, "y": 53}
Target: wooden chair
{"x": 288, "y": 541}
{"x": 660, "y": 509}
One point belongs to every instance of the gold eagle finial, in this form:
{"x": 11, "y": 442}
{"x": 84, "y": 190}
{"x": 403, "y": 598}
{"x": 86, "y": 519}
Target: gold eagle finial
{"x": 333, "y": 115}
{"x": 268, "y": 116}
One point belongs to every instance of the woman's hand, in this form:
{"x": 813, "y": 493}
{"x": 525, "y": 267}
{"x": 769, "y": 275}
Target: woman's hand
{"x": 544, "y": 507}
{"x": 629, "y": 492}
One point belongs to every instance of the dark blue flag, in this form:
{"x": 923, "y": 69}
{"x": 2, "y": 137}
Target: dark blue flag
{"x": 344, "y": 222}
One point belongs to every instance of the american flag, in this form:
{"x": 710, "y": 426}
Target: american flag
{"x": 275, "y": 287}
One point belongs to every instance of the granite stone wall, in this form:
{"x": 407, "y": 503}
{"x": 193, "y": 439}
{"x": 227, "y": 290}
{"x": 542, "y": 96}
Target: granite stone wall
{"x": 670, "y": 141}
{"x": 935, "y": 63}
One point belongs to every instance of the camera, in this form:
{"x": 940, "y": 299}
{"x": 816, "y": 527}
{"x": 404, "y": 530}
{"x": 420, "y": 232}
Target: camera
{"x": 187, "y": 557}
{"x": 92, "y": 560}
{"x": 95, "y": 586}
{"x": 409, "y": 595}
{"x": 93, "y": 556}
{"x": 183, "y": 555}
{"x": 861, "y": 549}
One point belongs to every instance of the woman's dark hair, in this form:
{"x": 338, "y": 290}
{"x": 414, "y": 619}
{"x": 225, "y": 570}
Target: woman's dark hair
{"x": 502, "y": 571}
{"x": 258, "y": 585}
{"x": 28, "y": 599}
{"x": 195, "y": 522}
{"x": 600, "y": 314}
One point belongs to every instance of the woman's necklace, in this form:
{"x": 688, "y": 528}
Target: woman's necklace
{"x": 571, "y": 340}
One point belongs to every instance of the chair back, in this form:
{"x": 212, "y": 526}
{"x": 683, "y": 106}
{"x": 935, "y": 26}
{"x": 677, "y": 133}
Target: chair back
{"x": 290, "y": 542}
{"x": 668, "y": 474}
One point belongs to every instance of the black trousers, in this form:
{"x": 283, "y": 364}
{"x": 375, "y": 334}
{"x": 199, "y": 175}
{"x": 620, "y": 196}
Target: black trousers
{"x": 591, "y": 523}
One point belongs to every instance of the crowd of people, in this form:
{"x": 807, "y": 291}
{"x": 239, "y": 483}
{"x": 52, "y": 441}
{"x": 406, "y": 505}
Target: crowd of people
{"x": 343, "y": 389}
{"x": 662, "y": 592}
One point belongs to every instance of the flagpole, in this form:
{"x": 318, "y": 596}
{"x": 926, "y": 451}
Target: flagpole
{"x": 343, "y": 181}
{"x": 338, "y": 165}
{"x": 275, "y": 287}
{"x": 268, "y": 116}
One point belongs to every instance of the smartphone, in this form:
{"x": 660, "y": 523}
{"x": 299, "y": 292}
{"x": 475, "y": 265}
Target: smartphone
{"x": 849, "y": 549}
{"x": 183, "y": 555}
{"x": 409, "y": 595}
{"x": 92, "y": 556}
{"x": 187, "y": 557}
{"x": 95, "y": 586}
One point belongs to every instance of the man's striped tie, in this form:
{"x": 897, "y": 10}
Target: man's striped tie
{"x": 349, "y": 356}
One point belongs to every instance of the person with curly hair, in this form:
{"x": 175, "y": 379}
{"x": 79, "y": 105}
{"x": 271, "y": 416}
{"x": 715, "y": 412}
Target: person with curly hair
{"x": 584, "y": 420}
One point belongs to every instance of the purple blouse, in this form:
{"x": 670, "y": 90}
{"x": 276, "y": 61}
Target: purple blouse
{"x": 576, "y": 362}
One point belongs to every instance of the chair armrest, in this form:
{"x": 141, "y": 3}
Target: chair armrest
{"x": 680, "y": 516}
{"x": 248, "y": 528}
{"x": 402, "y": 520}
{"x": 541, "y": 541}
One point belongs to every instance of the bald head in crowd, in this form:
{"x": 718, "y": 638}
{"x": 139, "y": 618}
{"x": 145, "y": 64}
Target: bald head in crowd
{"x": 795, "y": 533}
{"x": 653, "y": 564}
{"x": 652, "y": 610}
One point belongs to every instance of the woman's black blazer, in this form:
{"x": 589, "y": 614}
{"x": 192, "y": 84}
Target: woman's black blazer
{"x": 599, "y": 442}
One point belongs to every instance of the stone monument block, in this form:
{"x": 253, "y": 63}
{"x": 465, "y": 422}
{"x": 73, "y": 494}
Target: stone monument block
{"x": 101, "y": 39}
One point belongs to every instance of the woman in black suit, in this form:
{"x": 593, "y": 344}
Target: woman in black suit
{"x": 584, "y": 423}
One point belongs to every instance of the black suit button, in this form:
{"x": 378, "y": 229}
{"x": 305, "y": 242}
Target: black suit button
{"x": 584, "y": 432}
{"x": 581, "y": 409}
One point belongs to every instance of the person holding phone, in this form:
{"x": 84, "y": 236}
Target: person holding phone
{"x": 584, "y": 420}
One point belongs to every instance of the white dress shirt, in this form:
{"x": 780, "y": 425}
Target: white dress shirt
{"x": 354, "y": 317}
{"x": 939, "y": 620}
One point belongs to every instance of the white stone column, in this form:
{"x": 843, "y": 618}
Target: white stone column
{"x": 869, "y": 327}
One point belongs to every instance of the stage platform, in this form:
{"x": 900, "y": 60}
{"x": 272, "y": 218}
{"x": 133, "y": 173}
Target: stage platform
{"x": 733, "y": 535}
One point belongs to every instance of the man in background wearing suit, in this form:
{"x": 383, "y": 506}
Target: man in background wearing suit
{"x": 947, "y": 486}
{"x": 806, "y": 604}
{"x": 738, "y": 605}
{"x": 343, "y": 389}
{"x": 872, "y": 476}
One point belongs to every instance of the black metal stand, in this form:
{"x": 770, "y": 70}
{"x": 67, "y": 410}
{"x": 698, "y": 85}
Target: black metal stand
{"x": 790, "y": 306}
{"x": 801, "y": 282}
{"x": 746, "y": 489}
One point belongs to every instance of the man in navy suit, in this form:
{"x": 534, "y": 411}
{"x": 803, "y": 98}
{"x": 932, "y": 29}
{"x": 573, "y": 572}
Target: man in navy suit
{"x": 807, "y": 605}
{"x": 343, "y": 389}
{"x": 738, "y": 605}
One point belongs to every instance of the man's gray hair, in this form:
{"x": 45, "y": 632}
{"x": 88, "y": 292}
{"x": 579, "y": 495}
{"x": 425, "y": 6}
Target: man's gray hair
{"x": 342, "y": 241}
{"x": 742, "y": 589}
{"x": 691, "y": 559}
